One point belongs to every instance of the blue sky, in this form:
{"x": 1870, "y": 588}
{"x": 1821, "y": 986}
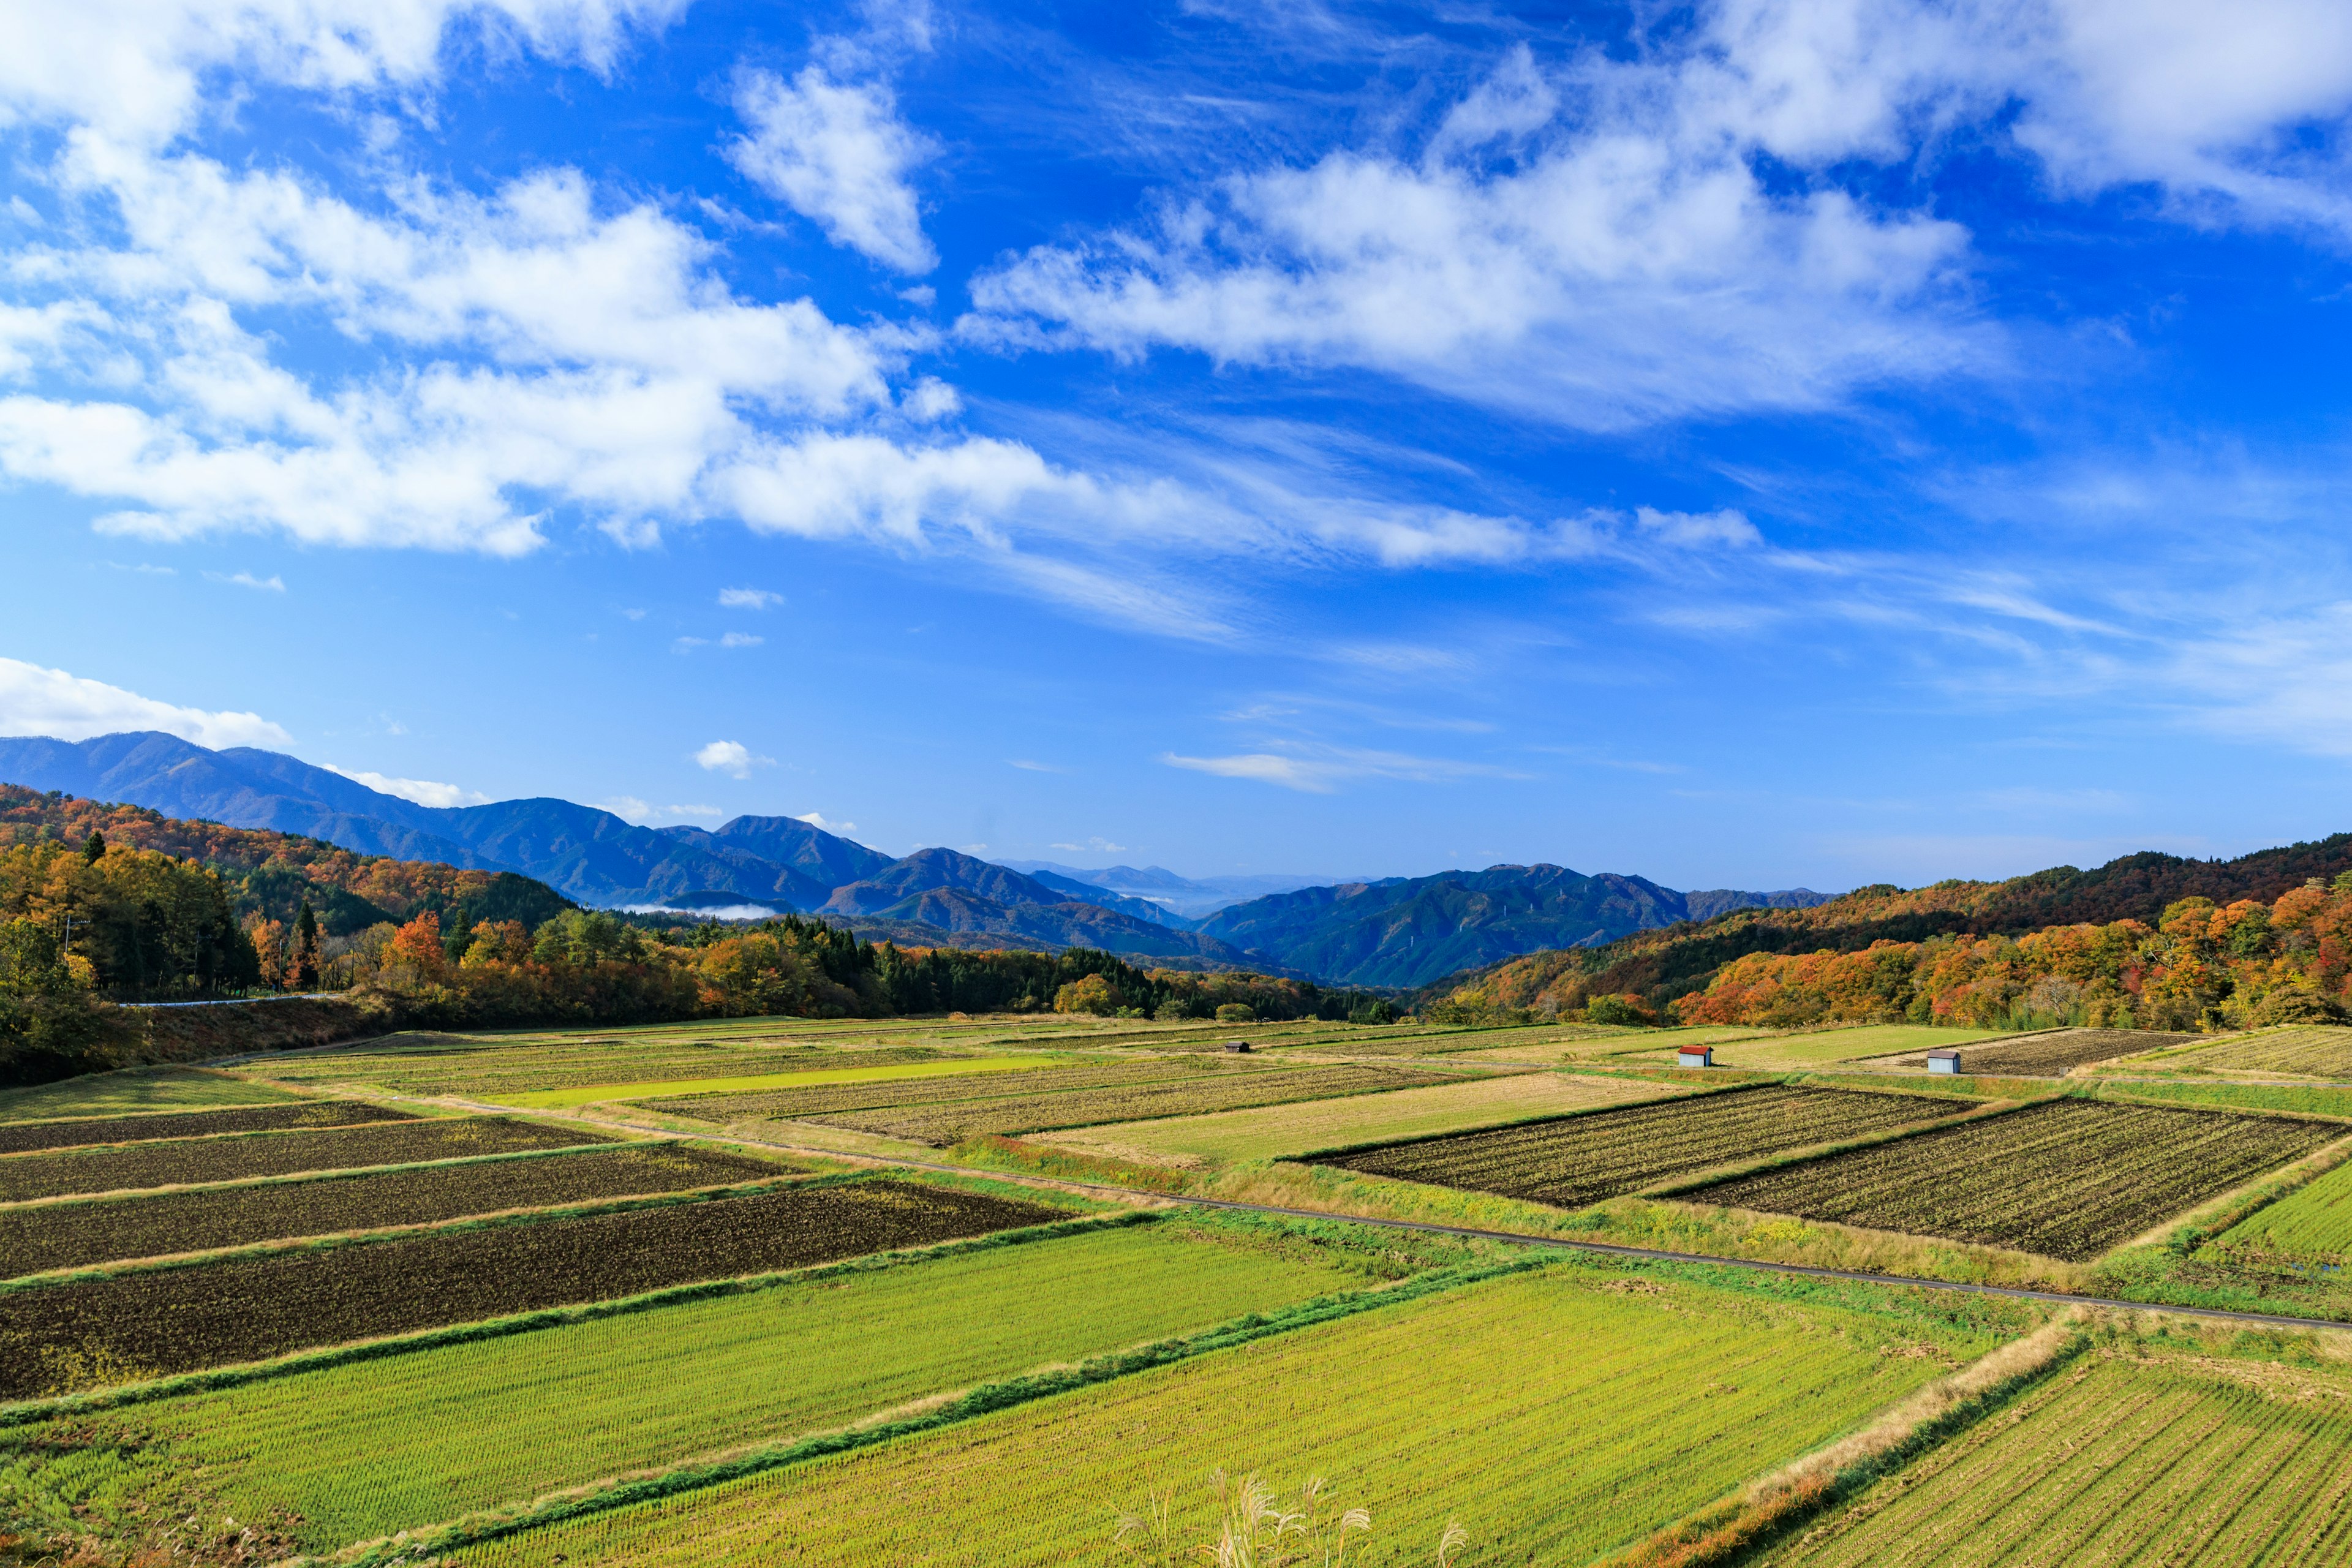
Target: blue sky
{"x": 1775, "y": 442}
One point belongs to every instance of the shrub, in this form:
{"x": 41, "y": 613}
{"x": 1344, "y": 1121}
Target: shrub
{"x": 1236, "y": 1013}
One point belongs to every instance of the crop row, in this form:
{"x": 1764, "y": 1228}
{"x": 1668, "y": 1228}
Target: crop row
{"x": 451, "y": 1064}
{"x": 2321, "y": 1051}
{"x": 16, "y": 1138}
{"x": 128, "y": 1327}
{"x": 2067, "y": 1179}
{"x": 1606, "y": 1153}
{"x": 44, "y": 1236}
{"x": 132, "y": 1167}
{"x": 2313, "y": 1222}
{"x": 1555, "y": 1414}
{"x": 827, "y": 1099}
{"x": 2121, "y": 1460}
{"x": 2055, "y": 1055}
{"x": 946, "y": 1125}
{"x": 401, "y": 1442}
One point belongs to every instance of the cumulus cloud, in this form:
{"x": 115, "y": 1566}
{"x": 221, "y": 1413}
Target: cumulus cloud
{"x": 748, "y": 599}
{"x": 1593, "y": 240}
{"x": 273, "y": 584}
{"x": 839, "y": 155}
{"x": 423, "y": 791}
{"x": 816, "y": 819}
{"x": 644, "y": 814}
{"x": 740, "y": 639}
{"x": 39, "y": 701}
{"x": 730, "y": 757}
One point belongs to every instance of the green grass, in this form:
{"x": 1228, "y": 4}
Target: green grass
{"x": 134, "y": 1090}
{"x": 2126, "y": 1456}
{"x": 550, "y": 1099}
{"x": 1270, "y": 1132}
{"x": 1556, "y": 1415}
{"x": 2313, "y": 1221}
{"x": 2315, "y": 1100}
{"x": 409, "y": 1440}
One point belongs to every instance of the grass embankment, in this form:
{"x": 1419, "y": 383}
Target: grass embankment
{"x": 407, "y": 1441}
{"x": 135, "y": 1089}
{"x": 1555, "y": 1414}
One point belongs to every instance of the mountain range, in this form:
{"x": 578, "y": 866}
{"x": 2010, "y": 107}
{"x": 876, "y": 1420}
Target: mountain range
{"x": 1393, "y": 932}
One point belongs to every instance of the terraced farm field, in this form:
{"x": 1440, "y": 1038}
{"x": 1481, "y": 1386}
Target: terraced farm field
{"x": 2067, "y": 1179}
{"x": 130, "y": 1326}
{"x": 2052, "y": 1056}
{"x": 821, "y": 1099}
{"x": 1828, "y": 1046}
{"x": 19, "y": 1137}
{"x": 2313, "y": 1222}
{"x": 395, "y": 1443}
{"x": 2323, "y": 1051}
{"x": 134, "y": 1090}
{"x": 1581, "y": 1160}
{"x": 182, "y": 1161}
{"x": 489, "y": 1067}
{"x": 944, "y": 1124}
{"x": 1556, "y": 1415}
{"x": 1269, "y": 1131}
{"x": 2164, "y": 1458}
{"x": 41, "y": 1236}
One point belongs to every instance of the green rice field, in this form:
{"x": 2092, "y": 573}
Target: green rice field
{"x": 2313, "y": 1221}
{"x": 1786, "y": 1052}
{"x": 2123, "y": 1457}
{"x": 376, "y": 1446}
{"x": 1555, "y": 1414}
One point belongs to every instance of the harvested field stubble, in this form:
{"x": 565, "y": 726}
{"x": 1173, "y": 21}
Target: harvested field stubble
{"x": 187, "y": 1162}
{"x": 2068, "y": 1179}
{"x": 828, "y": 1098}
{"x": 1583, "y": 1159}
{"x": 134, "y": 1090}
{"x": 2315, "y": 1051}
{"x": 43, "y": 1237}
{"x": 16, "y": 1138}
{"x": 401, "y": 1442}
{"x": 944, "y": 1124}
{"x": 2165, "y": 1458}
{"x": 454, "y": 1064}
{"x": 126, "y": 1327}
{"x": 2052, "y": 1054}
{"x": 1556, "y": 1415}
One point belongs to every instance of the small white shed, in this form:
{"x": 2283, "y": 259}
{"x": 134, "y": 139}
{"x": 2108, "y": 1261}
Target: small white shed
{"x": 1944, "y": 1061}
{"x": 1695, "y": 1057}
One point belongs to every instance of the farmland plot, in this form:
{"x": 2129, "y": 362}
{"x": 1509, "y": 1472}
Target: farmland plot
{"x": 405, "y": 1441}
{"x": 133, "y": 1326}
{"x": 2314, "y": 1051}
{"x": 134, "y": 1090}
{"x": 1583, "y": 1159}
{"x": 20, "y": 1137}
{"x": 1271, "y": 1130}
{"x": 2312, "y": 1222}
{"x": 1556, "y": 1415}
{"x": 187, "y": 1160}
{"x": 945, "y": 1124}
{"x": 2067, "y": 1179}
{"x": 2163, "y": 1458}
{"x": 427, "y": 1064}
{"x": 2052, "y": 1054}
{"x": 821, "y": 1099}
{"x": 42, "y": 1236}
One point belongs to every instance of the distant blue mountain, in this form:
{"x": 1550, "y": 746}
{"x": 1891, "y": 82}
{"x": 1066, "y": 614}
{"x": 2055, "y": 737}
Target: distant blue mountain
{"x": 1410, "y": 930}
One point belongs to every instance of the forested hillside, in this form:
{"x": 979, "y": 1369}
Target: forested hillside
{"x": 2151, "y": 940}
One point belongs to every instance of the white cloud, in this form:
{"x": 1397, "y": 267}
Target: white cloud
{"x": 740, "y": 639}
{"x": 732, "y": 758}
{"x": 1027, "y": 766}
{"x": 1320, "y": 769}
{"x": 748, "y": 599}
{"x": 816, "y": 819}
{"x": 1096, "y": 845}
{"x": 39, "y": 701}
{"x": 272, "y": 584}
{"x": 629, "y": 808}
{"x": 423, "y": 791}
{"x": 133, "y": 66}
{"x": 838, "y": 155}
